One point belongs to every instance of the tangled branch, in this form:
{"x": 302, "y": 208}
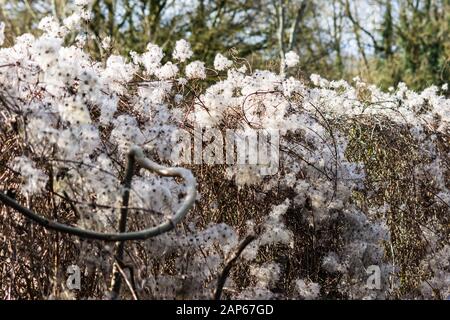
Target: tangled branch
{"x": 137, "y": 156}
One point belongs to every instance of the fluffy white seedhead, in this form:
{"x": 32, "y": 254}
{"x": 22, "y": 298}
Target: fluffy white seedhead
{"x": 291, "y": 59}
{"x": 151, "y": 59}
{"x": 182, "y": 51}
{"x": 196, "y": 70}
{"x": 34, "y": 178}
{"x": 221, "y": 62}
{"x": 307, "y": 290}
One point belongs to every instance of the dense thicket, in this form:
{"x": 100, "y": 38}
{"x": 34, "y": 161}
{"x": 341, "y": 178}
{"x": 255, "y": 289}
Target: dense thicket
{"x": 361, "y": 179}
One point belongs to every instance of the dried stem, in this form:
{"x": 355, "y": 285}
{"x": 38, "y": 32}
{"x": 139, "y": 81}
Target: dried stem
{"x": 229, "y": 264}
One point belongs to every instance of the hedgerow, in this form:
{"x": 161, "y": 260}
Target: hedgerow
{"x": 361, "y": 177}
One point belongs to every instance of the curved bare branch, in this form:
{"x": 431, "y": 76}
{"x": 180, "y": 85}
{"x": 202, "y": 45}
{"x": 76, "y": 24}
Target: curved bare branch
{"x": 136, "y": 155}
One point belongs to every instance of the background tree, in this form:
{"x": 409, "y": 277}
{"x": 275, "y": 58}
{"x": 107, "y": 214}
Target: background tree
{"x": 381, "y": 41}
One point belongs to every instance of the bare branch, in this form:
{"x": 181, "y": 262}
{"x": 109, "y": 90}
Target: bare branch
{"x": 129, "y": 285}
{"x": 229, "y": 264}
{"x": 281, "y": 20}
{"x": 357, "y": 24}
{"x": 295, "y": 25}
{"x": 117, "y": 279}
{"x": 144, "y": 162}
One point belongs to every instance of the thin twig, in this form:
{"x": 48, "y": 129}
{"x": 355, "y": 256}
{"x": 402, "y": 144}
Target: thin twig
{"x": 133, "y": 292}
{"x": 117, "y": 279}
{"x": 229, "y": 264}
